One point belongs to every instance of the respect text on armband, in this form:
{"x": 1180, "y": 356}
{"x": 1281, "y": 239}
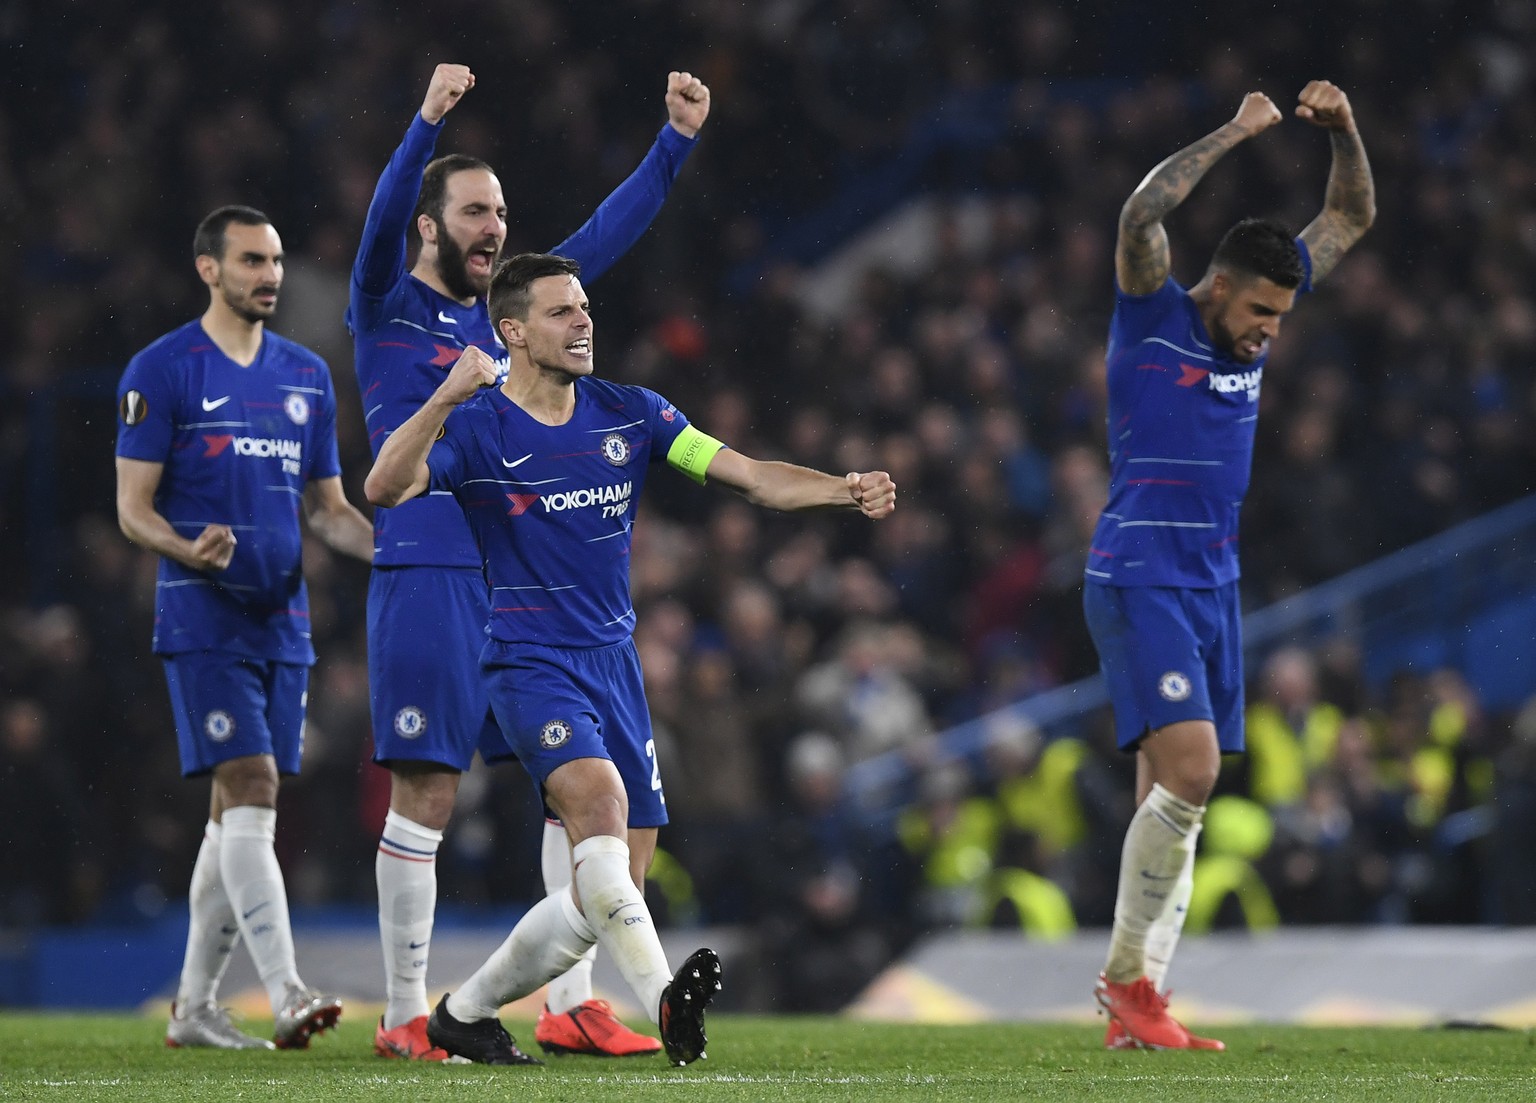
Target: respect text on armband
{"x": 691, "y": 450}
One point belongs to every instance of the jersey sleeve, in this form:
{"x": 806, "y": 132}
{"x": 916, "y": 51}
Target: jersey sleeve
{"x": 446, "y": 460}
{"x": 629, "y": 210}
{"x": 146, "y": 410}
{"x": 1142, "y": 312}
{"x": 327, "y": 463}
{"x": 381, "y": 254}
{"x": 1306, "y": 267}
{"x": 675, "y": 440}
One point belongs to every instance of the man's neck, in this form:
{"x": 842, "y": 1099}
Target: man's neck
{"x": 547, "y": 397}
{"x": 236, "y": 338}
{"x": 1205, "y": 304}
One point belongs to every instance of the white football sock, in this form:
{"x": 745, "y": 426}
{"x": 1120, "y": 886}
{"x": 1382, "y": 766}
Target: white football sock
{"x": 1163, "y": 937}
{"x": 212, "y": 933}
{"x": 254, "y": 882}
{"x": 618, "y": 913}
{"x": 406, "y": 872}
{"x": 574, "y": 986}
{"x": 1154, "y": 854}
{"x": 545, "y": 942}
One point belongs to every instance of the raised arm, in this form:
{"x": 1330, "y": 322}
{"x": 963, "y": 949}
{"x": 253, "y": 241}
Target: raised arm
{"x": 786, "y": 486}
{"x": 1349, "y": 207}
{"x": 382, "y": 253}
{"x": 630, "y": 208}
{"x": 401, "y": 471}
{"x": 141, "y": 522}
{"x": 1141, "y": 247}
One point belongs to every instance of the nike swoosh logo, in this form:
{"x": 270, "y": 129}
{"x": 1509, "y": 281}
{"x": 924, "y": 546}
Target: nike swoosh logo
{"x": 418, "y": 945}
{"x": 618, "y": 909}
{"x": 515, "y": 463}
{"x": 209, "y": 407}
{"x": 253, "y": 911}
{"x": 447, "y": 321}
{"x": 1155, "y": 877}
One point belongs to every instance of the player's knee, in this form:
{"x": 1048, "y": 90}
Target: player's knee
{"x": 1192, "y": 779}
{"x": 425, "y": 796}
{"x": 599, "y": 813}
{"x": 250, "y": 781}
{"x": 1197, "y": 786}
{"x": 1184, "y": 759}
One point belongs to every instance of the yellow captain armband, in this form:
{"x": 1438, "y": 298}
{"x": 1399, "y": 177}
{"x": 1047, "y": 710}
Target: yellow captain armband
{"x": 691, "y": 452}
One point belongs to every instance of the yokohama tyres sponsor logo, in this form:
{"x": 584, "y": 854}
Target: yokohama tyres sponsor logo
{"x": 1223, "y": 383}
{"x": 260, "y": 447}
{"x": 591, "y": 496}
{"x": 1238, "y": 381}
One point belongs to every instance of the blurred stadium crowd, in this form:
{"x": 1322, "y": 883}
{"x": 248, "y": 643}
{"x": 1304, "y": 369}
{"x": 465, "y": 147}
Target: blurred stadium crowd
{"x": 1401, "y": 399}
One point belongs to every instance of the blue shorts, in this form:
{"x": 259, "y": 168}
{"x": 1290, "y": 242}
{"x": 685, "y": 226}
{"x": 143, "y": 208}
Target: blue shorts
{"x": 1169, "y": 655}
{"x": 230, "y": 706}
{"x": 426, "y": 626}
{"x": 557, "y": 704}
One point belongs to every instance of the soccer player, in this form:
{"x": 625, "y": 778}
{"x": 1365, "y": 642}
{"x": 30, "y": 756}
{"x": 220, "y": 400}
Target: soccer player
{"x": 548, "y": 468}
{"x": 227, "y": 433}
{"x": 430, "y": 710}
{"x": 1184, "y": 369}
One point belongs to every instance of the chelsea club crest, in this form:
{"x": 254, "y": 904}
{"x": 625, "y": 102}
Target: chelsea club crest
{"x": 616, "y": 449}
{"x": 554, "y": 734}
{"x": 219, "y": 726}
{"x": 1174, "y": 686}
{"x": 296, "y": 406}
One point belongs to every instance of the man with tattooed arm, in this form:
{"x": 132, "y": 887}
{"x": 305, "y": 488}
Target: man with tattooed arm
{"x": 1161, "y": 592}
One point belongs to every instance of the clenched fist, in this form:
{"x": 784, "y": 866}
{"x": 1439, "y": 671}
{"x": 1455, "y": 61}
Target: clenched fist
{"x": 873, "y": 492}
{"x": 1257, "y": 112}
{"x": 473, "y": 371}
{"x": 213, "y": 548}
{"x": 449, "y": 83}
{"x": 687, "y": 103}
{"x": 1324, "y": 104}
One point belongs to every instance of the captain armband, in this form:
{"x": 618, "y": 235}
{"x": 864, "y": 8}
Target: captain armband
{"x": 691, "y": 452}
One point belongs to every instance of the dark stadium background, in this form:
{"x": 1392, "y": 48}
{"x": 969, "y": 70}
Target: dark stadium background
{"x": 1399, "y": 404}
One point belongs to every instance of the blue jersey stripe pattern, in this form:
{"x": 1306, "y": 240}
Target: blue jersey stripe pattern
{"x": 238, "y": 445}
{"x": 552, "y": 506}
{"x": 1181, "y": 423}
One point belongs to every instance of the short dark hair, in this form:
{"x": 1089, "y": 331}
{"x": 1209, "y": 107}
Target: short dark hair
{"x": 208, "y": 241}
{"x": 434, "y": 183}
{"x": 1261, "y": 247}
{"x": 509, "y": 296}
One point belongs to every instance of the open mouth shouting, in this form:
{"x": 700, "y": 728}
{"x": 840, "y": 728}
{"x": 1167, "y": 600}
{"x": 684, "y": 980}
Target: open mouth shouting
{"x": 481, "y": 261}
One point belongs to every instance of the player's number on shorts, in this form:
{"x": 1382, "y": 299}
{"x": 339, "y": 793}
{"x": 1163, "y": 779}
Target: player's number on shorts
{"x": 650, "y": 752}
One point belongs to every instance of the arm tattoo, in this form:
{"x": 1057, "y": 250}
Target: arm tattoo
{"x": 1348, "y": 209}
{"x": 1142, "y": 249}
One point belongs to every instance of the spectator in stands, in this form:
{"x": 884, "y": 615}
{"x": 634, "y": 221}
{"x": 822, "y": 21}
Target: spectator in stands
{"x": 1290, "y": 731}
{"x": 862, "y": 699}
{"x": 1512, "y": 839}
{"x": 49, "y": 871}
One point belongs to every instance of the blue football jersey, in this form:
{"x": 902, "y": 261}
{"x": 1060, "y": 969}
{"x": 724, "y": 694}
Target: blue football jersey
{"x": 238, "y": 444}
{"x": 406, "y": 336}
{"x": 551, "y": 506}
{"x": 1181, "y": 422}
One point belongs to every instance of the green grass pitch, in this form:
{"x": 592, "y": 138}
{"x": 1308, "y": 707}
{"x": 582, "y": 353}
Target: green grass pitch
{"x": 122, "y": 1057}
